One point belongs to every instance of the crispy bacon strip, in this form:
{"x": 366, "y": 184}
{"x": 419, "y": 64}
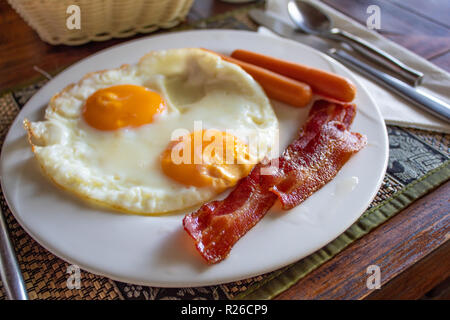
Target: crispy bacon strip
{"x": 316, "y": 157}
{"x": 218, "y": 225}
{"x": 313, "y": 159}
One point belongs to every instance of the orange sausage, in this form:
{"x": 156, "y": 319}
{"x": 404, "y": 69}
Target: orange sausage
{"x": 276, "y": 86}
{"x": 321, "y": 82}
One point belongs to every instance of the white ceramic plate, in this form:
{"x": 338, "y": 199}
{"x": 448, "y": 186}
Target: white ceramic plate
{"x": 155, "y": 250}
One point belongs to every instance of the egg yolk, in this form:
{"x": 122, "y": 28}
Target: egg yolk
{"x": 207, "y": 158}
{"x": 121, "y": 106}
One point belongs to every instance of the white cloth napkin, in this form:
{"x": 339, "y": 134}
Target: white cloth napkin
{"x": 394, "y": 109}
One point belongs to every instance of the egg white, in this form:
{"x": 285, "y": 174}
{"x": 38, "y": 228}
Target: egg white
{"x": 121, "y": 168}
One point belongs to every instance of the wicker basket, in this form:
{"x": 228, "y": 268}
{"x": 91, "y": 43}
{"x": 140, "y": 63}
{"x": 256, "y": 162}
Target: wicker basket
{"x": 99, "y": 19}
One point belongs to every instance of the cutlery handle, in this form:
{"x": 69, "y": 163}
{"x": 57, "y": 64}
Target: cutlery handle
{"x": 9, "y": 268}
{"x": 424, "y": 101}
{"x": 382, "y": 57}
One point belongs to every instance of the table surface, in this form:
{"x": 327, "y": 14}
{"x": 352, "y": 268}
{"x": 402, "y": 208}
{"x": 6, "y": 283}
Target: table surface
{"x": 411, "y": 249}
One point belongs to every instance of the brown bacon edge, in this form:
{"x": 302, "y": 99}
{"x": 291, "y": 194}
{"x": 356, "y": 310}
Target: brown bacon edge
{"x": 323, "y": 146}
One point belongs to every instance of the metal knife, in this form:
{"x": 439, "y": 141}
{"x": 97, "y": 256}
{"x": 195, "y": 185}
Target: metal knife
{"x": 9, "y": 268}
{"x": 428, "y": 103}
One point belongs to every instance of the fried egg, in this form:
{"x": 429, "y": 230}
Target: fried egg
{"x": 123, "y": 137}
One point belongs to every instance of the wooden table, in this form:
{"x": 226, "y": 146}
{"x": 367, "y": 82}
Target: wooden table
{"x": 412, "y": 248}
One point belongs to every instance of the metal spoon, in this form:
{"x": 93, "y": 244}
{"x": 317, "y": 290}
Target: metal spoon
{"x": 312, "y": 20}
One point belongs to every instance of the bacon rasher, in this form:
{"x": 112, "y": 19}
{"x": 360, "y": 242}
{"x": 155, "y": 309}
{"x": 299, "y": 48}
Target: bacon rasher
{"x": 323, "y": 146}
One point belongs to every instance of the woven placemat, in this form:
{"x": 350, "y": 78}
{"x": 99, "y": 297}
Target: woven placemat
{"x": 418, "y": 162}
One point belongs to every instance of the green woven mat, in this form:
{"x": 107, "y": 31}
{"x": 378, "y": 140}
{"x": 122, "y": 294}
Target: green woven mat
{"x": 419, "y": 162}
